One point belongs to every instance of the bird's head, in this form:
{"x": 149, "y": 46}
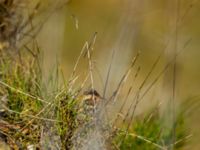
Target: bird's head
{"x": 91, "y": 97}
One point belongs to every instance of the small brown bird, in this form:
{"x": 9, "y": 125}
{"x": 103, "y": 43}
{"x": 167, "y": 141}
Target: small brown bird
{"x": 91, "y": 98}
{"x": 88, "y": 103}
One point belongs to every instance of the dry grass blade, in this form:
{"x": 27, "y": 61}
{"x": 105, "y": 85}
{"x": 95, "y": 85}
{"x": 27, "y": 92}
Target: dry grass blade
{"x": 163, "y": 71}
{"x": 90, "y": 69}
{"x": 88, "y": 46}
{"x": 123, "y": 80}
{"x": 32, "y": 31}
{"x": 148, "y": 141}
{"x": 175, "y": 74}
{"x": 31, "y": 116}
{"x": 30, "y": 18}
{"x": 136, "y": 98}
{"x": 83, "y": 84}
{"x": 126, "y": 99}
{"x": 144, "y": 139}
{"x": 23, "y": 93}
{"x": 193, "y": 3}
{"x": 43, "y": 110}
{"x": 108, "y": 74}
{"x": 132, "y": 115}
{"x": 142, "y": 84}
{"x": 152, "y": 68}
{"x": 124, "y": 103}
{"x": 181, "y": 140}
{"x": 78, "y": 60}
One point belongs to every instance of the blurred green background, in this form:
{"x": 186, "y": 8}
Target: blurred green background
{"x": 129, "y": 26}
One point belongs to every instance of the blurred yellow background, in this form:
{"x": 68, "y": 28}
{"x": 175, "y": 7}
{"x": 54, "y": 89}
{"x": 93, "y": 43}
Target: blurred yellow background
{"x": 129, "y": 26}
